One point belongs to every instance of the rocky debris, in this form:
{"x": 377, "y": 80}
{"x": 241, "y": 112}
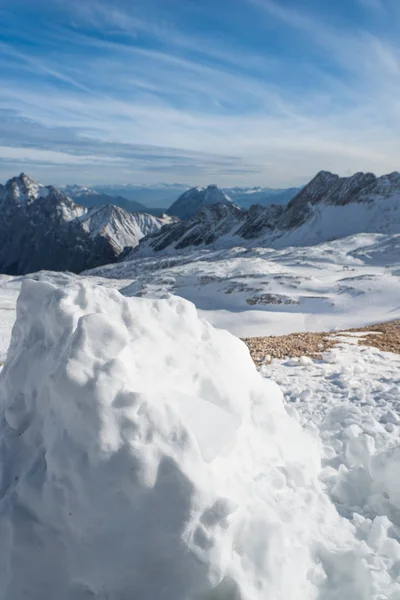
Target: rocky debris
{"x": 384, "y": 336}
{"x": 270, "y": 299}
{"x": 264, "y": 349}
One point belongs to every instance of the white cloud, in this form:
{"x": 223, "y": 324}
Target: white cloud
{"x": 132, "y": 113}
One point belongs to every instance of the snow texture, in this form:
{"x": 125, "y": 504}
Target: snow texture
{"x": 350, "y": 403}
{"x": 143, "y": 456}
{"x": 349, "y": 282}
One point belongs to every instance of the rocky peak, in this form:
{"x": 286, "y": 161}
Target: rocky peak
{"x": 221, "y": 210}
{"x": 317, "y": 213}
{"x": 23, "y": 189}
{"x": 190, "y": 202}
{"x": 42, "y": 228}
{"x": 328, "y": 188}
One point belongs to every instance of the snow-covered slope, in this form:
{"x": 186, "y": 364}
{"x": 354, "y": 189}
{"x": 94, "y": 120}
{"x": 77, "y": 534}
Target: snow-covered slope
{"x": 254, "y": 291}
{"x": 329, "y": 207}
{"x": 143, "y": 456}
{"x": 349, "y": 282}
{"x": 211, "y": 223}
{"x": 42, "y": 228}
{"x": 189, "y": 203}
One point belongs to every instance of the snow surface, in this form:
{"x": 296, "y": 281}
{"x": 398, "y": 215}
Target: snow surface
{"x": 350, "y": 403}
{"x": 143, "y": 456}
{"x": 349, "y": 282}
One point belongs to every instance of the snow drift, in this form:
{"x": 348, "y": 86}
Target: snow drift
{"x": 142, "y": 456}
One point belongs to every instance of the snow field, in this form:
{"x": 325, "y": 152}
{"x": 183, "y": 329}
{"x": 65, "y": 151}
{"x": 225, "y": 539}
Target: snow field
{"x": 344, "y": 283}
{"x": 350, "y": 403}
{"x": 143, "y": 456}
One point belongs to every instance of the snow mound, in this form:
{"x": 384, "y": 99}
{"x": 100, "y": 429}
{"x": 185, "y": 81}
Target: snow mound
{"x": 142, "y": 456}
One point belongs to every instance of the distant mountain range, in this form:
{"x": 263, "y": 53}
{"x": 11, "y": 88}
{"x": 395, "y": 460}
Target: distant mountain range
{"x": 327, "y": 208}
{"x": 156, "y": 198}
{"x": 42, "y": 228}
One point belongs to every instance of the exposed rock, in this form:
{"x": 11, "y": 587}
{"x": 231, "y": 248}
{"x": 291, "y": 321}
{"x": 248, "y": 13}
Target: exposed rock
{"x": 329, "y": 207}
{"x": 190, "y": 202}
{"x": 42, "y": 228}
{"x": 211, "y": 224}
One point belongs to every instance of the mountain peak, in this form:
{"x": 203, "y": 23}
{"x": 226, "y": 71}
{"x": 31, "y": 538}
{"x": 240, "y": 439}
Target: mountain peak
{"x": 328, "y": 207}
{"x": 42, "y": 228}
{"x": 22, "y": 189}
{"x": 323, "y": 178}
{"x": 24, "y": 177}
{"x": 190, "y": 202}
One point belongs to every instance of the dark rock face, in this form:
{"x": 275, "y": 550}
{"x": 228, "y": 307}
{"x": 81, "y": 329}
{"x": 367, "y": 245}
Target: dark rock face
{"x": 211, "y": 223}
{"x": 332, "y": 189}
{"x": 259, "y": 219}
{"x": 43, "y": 229}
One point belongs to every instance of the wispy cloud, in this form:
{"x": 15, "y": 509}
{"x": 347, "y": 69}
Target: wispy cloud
{"x": 375, "y": 5}
{"x": 351, "y": 48}
{"x": 31, "y": 63}
{"x": 115, "y": 93}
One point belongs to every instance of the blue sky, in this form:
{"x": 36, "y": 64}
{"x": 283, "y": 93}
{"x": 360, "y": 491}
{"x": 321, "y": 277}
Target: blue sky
{"x": 233, "y": 92}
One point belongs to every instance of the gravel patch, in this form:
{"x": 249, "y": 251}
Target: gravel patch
{"x": 385, "y": 336}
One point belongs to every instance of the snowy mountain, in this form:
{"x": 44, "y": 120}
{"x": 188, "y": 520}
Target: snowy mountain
{"x": 42, "y": 228}
{"x": 149, "y": 198}
{"x": 190, "y": 202}
{"x": 211, "y": 223}
{"x": 327, "y": 208}
{"x": 90, "y": 198}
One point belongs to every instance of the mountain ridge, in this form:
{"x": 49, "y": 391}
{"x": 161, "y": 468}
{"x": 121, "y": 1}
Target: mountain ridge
{"x": 328, "y": 207}
{"x": 42, "y": 228}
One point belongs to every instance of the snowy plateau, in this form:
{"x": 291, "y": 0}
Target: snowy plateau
{"x": 143, "y": 456}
